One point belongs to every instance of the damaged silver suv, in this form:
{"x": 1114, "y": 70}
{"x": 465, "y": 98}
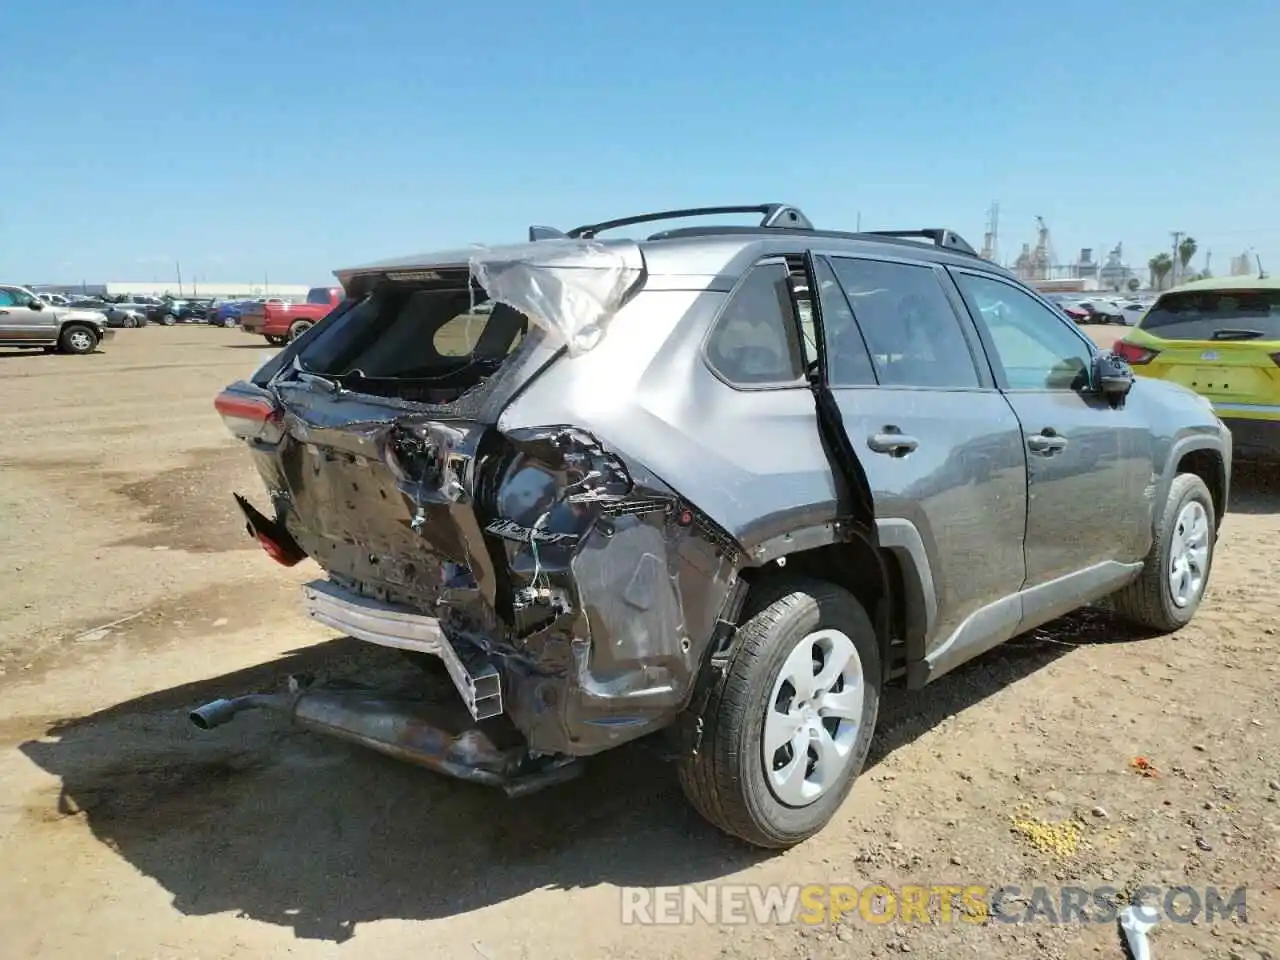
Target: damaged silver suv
{"x": 722, "y": 484}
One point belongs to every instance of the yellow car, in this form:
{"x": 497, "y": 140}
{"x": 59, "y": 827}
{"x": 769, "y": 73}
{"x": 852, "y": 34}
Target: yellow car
{"x": 1220, "y": 338}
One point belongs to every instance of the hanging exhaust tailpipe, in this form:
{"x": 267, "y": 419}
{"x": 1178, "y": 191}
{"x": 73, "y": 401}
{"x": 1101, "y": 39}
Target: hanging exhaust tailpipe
{"x": 398, "y": 729}
{"x": 218, "y": 712}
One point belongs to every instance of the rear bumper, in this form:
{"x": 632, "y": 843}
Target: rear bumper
{"x": 252, "y": 324}
{"x": 1252, "y": 437}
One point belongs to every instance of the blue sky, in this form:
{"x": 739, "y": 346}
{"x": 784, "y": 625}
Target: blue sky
{"x": 287, "y": 138}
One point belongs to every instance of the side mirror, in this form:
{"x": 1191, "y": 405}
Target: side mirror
{"x": 1112, "y": 377}
{"x": 36, "y": 303}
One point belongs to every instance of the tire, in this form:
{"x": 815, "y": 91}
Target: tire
{"x": 168, "y": 320}
{"x": 228, "y": 322}
{"x": 276, "y": 341}
{"x": 298, "y": 328}
{"x": 1186, "y": 530}
{"x": 728, "y": 780}
{"x": 77, "y": 338}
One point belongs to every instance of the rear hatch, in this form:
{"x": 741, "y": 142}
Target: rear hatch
{"x": 1224, "y": 344}
{"x": 376, "y": 433}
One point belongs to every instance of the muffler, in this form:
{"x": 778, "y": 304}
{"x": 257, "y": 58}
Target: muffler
{"x": 398, "y": 728}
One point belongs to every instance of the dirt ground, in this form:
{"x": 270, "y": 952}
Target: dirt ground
{"x": 131, "y": 594}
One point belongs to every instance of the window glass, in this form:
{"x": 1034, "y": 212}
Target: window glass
{"x": 908, "y": 324}
{"x": 7, "y": 298}
{"x": 1216, "y": 315}
{"x": 20, "y": 298}
{"x": 756, "y": 339}
{"x": 403, "y": 331}
{"x": 1038, "y": 349}
{"x": 848, "y": 362}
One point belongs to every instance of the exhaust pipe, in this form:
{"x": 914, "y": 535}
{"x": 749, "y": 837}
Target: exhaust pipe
{"x": 218, "y": 712}
{"x": 395, "y": 728}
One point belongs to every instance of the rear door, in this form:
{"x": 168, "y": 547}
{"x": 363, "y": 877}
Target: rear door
{"x": 940, "y": 445}
{"x": 1089, "y": 465}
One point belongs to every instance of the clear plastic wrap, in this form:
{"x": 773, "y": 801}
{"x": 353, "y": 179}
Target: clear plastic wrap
{"x": 571, "y": 288}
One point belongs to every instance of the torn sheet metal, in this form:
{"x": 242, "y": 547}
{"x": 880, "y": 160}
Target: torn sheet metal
{"x": 571, "y": 288}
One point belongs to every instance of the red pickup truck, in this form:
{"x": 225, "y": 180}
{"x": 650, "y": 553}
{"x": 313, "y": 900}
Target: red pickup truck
{"x": 282, "y": 322}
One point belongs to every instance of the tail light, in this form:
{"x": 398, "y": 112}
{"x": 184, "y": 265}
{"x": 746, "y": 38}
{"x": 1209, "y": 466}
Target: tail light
{"x": 1133, "y": 354}
{"x": 250, "y": 415}
{"x": 272, "y": 535}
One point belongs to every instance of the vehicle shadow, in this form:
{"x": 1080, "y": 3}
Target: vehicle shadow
{"x": 906, "y": 715}
{"x": 294, "y": 829}
{"x": 251, "y": 346}
{"x": 1255, "y": 488}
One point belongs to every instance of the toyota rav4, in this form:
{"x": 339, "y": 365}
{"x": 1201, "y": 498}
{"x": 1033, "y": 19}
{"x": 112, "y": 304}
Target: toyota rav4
{"x": 722, "y": 484}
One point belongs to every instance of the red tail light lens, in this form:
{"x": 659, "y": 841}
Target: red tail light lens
{"x": 250, "y": 417}
{"x": 276, "y": 552}
{"x": 1133, "y": 354}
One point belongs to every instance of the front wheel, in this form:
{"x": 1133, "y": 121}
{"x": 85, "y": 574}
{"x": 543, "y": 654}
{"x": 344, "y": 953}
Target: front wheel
{"x": 168, "y": 320}
{"x": 77, "y": 339}
{"x": 1176, "y": 572}
{"x": 787, "y": 731}
{"x": 228, "y": 321}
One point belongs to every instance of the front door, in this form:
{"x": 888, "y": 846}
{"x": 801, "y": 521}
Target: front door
{"x": 939, "y": 443}
{"x": 20, "y": 321}
{"x": 1088, "y": 465}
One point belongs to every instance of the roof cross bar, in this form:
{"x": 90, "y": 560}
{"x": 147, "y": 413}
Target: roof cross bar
{"x": 946, "y": 239}
{"x": 773, "y": 215}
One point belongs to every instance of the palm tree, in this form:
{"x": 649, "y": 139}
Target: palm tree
{"x": 1186, "y": 250}
{"x": 1160, "y": 266}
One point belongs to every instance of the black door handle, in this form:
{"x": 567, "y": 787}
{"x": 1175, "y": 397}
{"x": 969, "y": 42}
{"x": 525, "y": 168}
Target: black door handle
{"x": 1046, "y": 442}
{"x": 892, "y": 442}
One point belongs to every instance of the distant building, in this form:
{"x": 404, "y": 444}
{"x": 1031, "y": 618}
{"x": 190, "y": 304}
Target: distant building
{"x": 1066, "y": 285}
{"x": 113, "y": 288}
{"x": 1243, "y": 265}
{"x": 1115, "y": 273}
{"x": 1086, "y": 267}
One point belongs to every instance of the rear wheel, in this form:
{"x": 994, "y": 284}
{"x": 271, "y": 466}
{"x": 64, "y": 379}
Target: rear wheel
{"x": 298, "y": 328}
{"x": 76, "y": 338}
{"x": 168, "y": 320}
{"x": 228, "y": 321}
{"x": 1176, "y": 572}
{"x": 788, "y": 730}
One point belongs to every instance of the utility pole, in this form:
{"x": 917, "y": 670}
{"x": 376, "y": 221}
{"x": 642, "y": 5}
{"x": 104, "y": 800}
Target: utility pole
{"x": 1177, "y": 240}
{"x": 179, "y": 269}
{"x": 858, "y": 228}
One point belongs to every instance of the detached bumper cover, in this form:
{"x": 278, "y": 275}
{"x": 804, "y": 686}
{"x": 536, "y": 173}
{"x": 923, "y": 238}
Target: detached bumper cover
{"x": 476, "y": 679}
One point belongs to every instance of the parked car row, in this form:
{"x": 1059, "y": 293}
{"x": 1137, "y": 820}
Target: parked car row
{"x": 1101, "y": 309}
{"x": 29, "y": 322}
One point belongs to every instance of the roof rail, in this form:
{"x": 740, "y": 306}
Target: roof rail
{"x": 772, "y": 215}
{"x": 941, "y": 237}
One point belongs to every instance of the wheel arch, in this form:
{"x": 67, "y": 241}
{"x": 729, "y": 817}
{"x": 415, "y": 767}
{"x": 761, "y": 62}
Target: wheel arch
{"x": 1205, "y": 457}
{"x": 892, "y": 580}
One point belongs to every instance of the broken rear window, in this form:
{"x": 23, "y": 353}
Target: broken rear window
{"x": 1216, "y": 315}
{"x": 427, "y": 335}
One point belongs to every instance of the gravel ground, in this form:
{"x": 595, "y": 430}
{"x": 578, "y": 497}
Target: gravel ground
{"x": 1079, "y": 755}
